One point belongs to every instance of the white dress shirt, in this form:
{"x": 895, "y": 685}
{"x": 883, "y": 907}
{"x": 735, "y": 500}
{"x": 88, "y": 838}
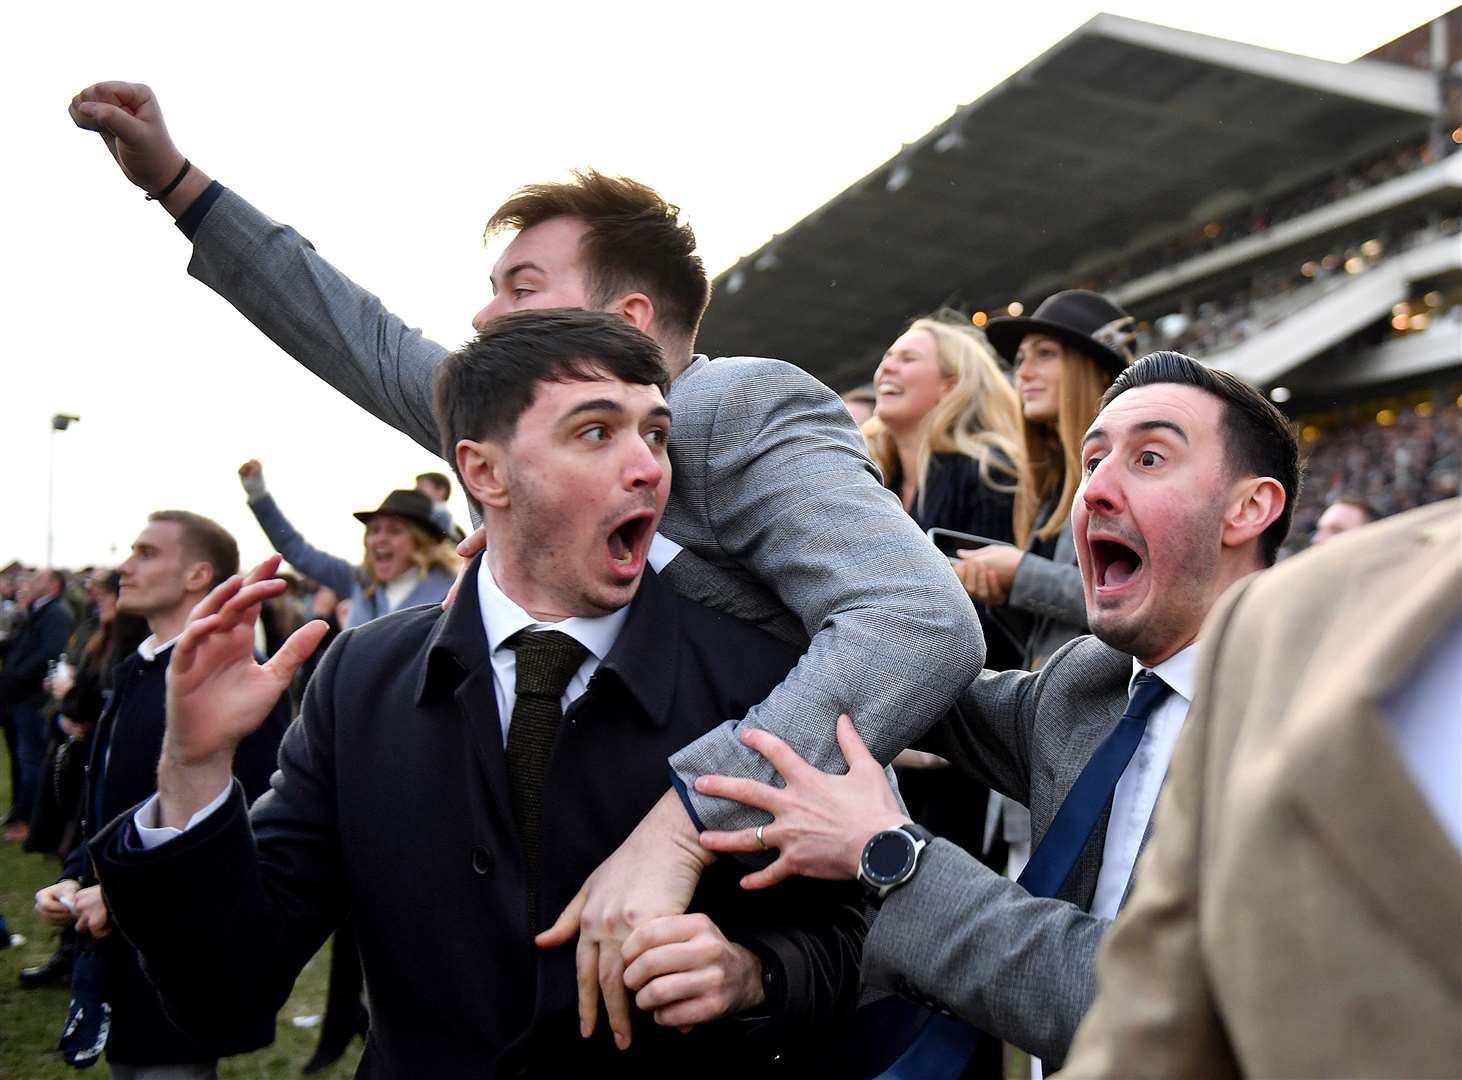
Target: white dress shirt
{"x": 502, "y": 618}
{"x": 1426, "y": 722}
{"x": 1141, "y": 780}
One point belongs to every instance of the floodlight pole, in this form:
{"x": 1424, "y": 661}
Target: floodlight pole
{"x": 59, "y": 422}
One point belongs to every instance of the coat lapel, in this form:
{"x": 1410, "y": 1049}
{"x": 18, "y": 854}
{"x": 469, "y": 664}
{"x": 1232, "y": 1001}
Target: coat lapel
{"x": 1346, "y": 773}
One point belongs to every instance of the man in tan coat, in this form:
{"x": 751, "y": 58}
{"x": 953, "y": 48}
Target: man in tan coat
{"x": 1299, "y": 912}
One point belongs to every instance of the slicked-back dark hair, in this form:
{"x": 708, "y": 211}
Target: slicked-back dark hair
{"x": 1258, "y": 439}
{"x": 481, "y": 390}
{"x": 635, "y": 242}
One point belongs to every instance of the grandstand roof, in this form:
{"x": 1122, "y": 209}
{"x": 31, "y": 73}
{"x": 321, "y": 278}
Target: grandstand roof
{"x": 1123, "y": 130}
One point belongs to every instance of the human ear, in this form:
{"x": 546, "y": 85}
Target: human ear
{"x": 1256, "y": 503}
{"x": 483, "y": 469}
{"x": 637, "y": 309}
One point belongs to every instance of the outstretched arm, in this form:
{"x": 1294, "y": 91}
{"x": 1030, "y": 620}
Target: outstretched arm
{"x": 329, "y": 570}
{"x": 271, "y": 274}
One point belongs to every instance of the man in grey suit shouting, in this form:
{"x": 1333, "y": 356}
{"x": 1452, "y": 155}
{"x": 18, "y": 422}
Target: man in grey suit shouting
{"x": 769, "y": 473}
{"x": 1189, "y": 479}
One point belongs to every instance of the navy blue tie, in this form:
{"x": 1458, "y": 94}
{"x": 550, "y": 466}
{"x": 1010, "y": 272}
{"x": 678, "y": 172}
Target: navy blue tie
{"x": 945, "y": 1045}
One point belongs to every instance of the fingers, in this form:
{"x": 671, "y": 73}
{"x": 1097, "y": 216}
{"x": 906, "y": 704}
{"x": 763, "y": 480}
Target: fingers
{"x": 737, "y": 789}
{"x": 298, "y": 648}
{"x": 451, "y": 597}
{"x": 265, "y": 570}
{"x": 616, "y": 997}
{"x": 783, "y": 758}
{"x": 777, "y": 872}
{"x": 566, "y": 925}
{"x": 109, "y": 120}
{"x": 742, "y": 840}
{"x": 851, "y": 743}
{"x": 469, "y": 547}
{"x": 586, "y": 973}
{"x": 656, "y": 933}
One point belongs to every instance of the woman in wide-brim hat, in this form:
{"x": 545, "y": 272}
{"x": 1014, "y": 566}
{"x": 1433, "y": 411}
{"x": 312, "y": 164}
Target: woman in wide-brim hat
{"x": 408, "y": 559}
{"x": 1066, "y": 355}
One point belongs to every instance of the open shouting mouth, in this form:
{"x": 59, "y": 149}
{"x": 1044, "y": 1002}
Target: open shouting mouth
{"x": 629, "y": 542}
{"x": 1115, "y": 565}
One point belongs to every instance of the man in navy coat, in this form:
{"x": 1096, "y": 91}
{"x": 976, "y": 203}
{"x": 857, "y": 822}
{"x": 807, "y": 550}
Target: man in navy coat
{"x": 406, "y": 796}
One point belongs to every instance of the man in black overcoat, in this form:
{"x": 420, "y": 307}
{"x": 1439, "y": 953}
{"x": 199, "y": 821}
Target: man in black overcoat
{"x": 418, "y": 791}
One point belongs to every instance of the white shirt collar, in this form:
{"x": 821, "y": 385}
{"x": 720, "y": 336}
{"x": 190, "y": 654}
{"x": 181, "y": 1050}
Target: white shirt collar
{"x": 502, "y": 618}
{"x": 1177, "y": 671}
{"x": 150, "y": 650}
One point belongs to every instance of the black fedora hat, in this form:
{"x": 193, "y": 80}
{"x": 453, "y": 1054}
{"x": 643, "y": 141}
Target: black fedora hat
{"x": 411, "y": 505}
{"x": 1078, "y": 317}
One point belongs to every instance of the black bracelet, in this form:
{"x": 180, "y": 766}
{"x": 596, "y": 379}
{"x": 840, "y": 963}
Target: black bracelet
{"x": 165, "y": 192}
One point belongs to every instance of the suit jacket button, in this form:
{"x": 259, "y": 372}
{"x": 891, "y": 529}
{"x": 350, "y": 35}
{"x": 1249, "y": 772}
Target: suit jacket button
{"x": 481, "y": 861}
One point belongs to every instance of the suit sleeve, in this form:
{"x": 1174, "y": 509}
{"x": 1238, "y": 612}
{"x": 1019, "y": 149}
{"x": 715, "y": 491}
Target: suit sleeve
{"x": 961, "y": 938}
{"x": 789, "y": 493}
{"x": 227, "y": 914}
{"x": 1155, "y": 1015}
{"x": 988, "y": 733}
{"x": 329, "y": 570}
{"x": 317, "y": 315}
{"x": 1051, "y": 589}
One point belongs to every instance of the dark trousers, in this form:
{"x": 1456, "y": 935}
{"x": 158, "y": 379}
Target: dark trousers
{"x": 30, "y": 751}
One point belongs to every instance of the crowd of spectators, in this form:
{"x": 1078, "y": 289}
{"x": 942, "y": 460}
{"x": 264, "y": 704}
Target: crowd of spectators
{"x": 1228, "y": 319}
{"x": 1259, "y": 217}
{"x": 1396, "y": 459}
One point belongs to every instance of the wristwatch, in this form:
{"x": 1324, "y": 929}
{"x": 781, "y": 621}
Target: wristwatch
{"x": 890, "y": 858}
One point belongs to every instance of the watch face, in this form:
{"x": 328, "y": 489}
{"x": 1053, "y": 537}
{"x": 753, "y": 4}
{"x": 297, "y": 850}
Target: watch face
{"x": 889, "y": 857}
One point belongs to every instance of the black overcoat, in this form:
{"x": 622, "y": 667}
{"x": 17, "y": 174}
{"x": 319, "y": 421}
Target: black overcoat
{"x": 392, "y": 802}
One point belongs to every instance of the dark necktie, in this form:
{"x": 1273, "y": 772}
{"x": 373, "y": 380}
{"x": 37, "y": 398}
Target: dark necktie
{"x": 945, "y": 1045}
{"x": 547, "y": 661}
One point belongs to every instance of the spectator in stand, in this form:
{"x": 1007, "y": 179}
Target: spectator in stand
{"x": 408, "y": 557}
{"x": 22, "y": 685}
{"x": 946, "y": 434}
{"x": 1066, "y": 356}
{"x": 80, "y": 698}
{"x": 861, "y": 403}
{"x": 438, "y": 488}
{"x": 1345, "y": 513}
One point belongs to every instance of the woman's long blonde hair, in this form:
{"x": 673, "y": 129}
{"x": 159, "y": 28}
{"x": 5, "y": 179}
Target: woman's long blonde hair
{"x": 430, "y": 554}
{"x": 1052, "y": 459}
{"x": 979, "y": 416}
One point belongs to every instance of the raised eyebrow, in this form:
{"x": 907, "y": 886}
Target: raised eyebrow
{"x": 510, "y": 272}
{"x": 661, "y": 412}
{"x": 1094, "y": 433}
{"x": 1162, "y": 425}
{"x": 595, "y": 405}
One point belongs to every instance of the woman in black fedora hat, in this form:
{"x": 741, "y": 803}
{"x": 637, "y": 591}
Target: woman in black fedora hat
{"x": 1066, "y": 355}
{"x": 409, "y": 560}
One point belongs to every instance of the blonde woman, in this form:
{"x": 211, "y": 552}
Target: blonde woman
{"x": 946, "y": 429}
{"x": 1066, "y": 355}
{"x": 408, "y": 558}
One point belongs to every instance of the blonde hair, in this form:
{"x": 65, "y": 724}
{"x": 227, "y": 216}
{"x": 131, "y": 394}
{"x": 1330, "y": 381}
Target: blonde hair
{"x": 979, "y": 416}
{"x": 1052, "y": 459}
{"x": 430, "y": 554}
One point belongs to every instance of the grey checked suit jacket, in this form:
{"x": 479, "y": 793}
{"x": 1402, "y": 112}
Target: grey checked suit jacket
{"x": 961, "y": 938}
{"x": 772, "y": 490}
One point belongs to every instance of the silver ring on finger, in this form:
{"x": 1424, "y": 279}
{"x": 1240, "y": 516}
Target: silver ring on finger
{"x": 761, "y": 840}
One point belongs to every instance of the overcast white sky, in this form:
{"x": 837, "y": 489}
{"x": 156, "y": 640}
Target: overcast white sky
{"x": 386, "y": 132}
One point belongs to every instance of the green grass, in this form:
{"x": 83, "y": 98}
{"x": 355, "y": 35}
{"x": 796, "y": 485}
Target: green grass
{"x": 30, "y": 1020}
